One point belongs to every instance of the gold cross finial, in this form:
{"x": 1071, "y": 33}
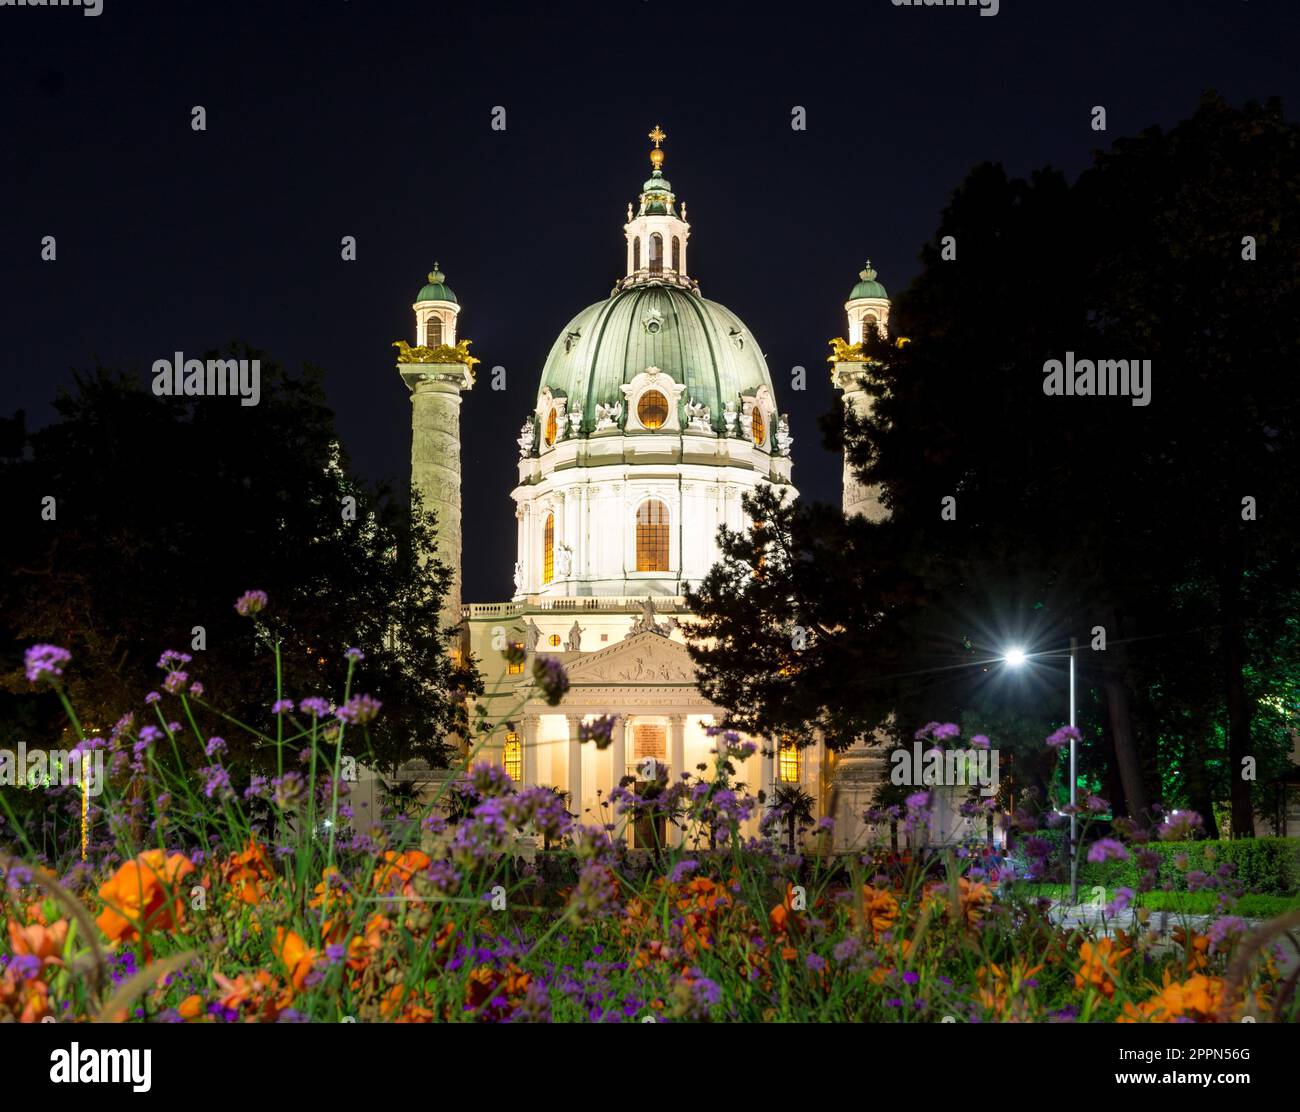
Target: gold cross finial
{"x": 658, "y": 135}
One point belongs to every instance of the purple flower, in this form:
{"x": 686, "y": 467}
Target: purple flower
{"x": 1105, "y": 848}
{"x": 289, "y": 791}
{"x": 946, "y": 731}
{"x": 815, "y": 962}
{"x": 1123, "y": 897}
{"x": 355, "y": 655}
{"x": 197, "y": 689}
{"x": 550, "y": 676}
{"x": 979, "y": 741}
{"x": 599, "y": 730}
{"x": 282, "y": 706}
{"x": 45, "y": 662}
{"x": 152, "y": 697}
{"x": 682, "y": 870}
{"x": 1062, "y": 737}
{"x": 250, "y": 603}
{"x": 1096, "y": 804}
{"x": 1179, "y": 827}
{"x": 256, "y": 789}
{"x": 918, "y": 801}
{"x": 359, "y": 710}
{"x": 315, "y": 706}
{"x": 216, "y": 782}
{"x": 335, "y": 953}
{"x": 175, "y": 682}
{"x": 173, "y": 661}
{"x": 911, "y": 977}
{"x": 215, "y": 746}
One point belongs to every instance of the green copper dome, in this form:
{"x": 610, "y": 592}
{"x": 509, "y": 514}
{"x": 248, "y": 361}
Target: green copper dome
{"x": 437, "y": 289}
{"x": 868, "y": 286}
{"x": 695, "y": 341}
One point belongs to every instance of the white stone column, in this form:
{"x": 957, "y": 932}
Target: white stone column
{"x": 618, "y": 753}
{"x": 521, "y": 547}
{"x": 676, "y": 762}
{"x": 767, "y": 767}
{"x": 575, "y": 766}
{"x": 528, "y": 734}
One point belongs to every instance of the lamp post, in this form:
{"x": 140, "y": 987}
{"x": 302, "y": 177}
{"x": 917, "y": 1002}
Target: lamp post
{"x": 1014, "y": 658}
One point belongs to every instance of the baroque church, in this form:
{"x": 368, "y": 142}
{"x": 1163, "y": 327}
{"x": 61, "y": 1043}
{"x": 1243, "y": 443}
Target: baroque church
{"x": 654, "y": 414}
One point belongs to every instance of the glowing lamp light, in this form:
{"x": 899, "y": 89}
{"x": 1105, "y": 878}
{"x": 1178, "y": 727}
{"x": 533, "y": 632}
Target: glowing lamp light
{"x": 1015, "y": 657}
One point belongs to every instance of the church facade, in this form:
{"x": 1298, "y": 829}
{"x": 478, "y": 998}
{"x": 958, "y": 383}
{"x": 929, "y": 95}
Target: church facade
{"x": 654, "y": 414}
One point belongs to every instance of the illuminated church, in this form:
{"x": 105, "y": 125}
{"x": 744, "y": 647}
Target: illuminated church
{"x": 654, "y": 414}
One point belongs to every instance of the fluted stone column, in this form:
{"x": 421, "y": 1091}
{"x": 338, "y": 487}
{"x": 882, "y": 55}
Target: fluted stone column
{"x": 435, "y": 459}
{"x": 859, "y": 498}
{"x": 575, "y": 766}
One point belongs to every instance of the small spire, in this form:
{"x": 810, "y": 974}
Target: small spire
{"x": 657, "y": 156}
{"x": 436, "y": 275}
{"x": 867, "y": 274}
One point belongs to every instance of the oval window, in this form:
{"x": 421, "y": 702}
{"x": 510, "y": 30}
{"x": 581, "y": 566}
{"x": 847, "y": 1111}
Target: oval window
{"x": 550, "y": 428}
{"x": 757, "y": 426}
{"x": 652, "y": 409}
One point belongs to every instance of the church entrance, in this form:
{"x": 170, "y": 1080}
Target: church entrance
{"x": 649, "y": 747}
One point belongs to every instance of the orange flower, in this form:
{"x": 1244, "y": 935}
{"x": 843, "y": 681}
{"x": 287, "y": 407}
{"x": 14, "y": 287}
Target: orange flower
{"x": 22, "y": 1000}
{"x": 247, "y": 871}
{"x": 39, "y": 941}
{"x": 493, "y": 993}
{"x": 879, "y": 909}
{"x": 1098, "y": 968}
{"x": 191, "y": 1007}
{"x": 1002, "y": 988}
{"x": 293, "y": 951}
{"x": 141, "y": 896}
{"x": 399, "y": 871}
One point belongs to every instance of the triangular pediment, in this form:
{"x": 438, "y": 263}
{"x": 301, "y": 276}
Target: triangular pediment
{"x": 648, "y": 658}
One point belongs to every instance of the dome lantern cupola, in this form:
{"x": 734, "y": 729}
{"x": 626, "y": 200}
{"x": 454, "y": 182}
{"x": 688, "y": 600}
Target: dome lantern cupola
{"x": 867, "y": 304}
{"x": 656, "y": 234}
{"x": 436, "y": 309}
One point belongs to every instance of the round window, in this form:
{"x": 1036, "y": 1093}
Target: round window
{"x": 652, "y": 409}
{"x": 553, "y": 640}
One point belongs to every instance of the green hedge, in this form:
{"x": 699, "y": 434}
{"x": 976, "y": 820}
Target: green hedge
{"x": 1264, "y": 866}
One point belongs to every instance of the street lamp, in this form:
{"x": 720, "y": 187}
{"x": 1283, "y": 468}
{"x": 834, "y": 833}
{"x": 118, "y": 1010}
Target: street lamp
{"x": 1014, "y": 658}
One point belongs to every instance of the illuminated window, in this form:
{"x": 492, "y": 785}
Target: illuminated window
{"x": 548, "y": 549}
{"x": 656, "y": 253}
{"x": 652, "y": 409}
{"x": 677, "y": 254}
{"x": 636, "y": 253}
{"x": 513, "y": 757}
{"x": 553, "y": 640}
{"x": 652, "y": 537}
{"x": 787, "y": 763}
{"x": 433, "y": 330}
{"x": 551, "y": 429}
{"x": 756, "y": 425}
{"x": 868, "y": 320}
{"x": 516, "y": 668}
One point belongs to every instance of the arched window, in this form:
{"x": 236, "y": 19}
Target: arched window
{"x": 652, "y": 409}
{"x": 548, "y": 549}
{"x": 551, "y": 427}
{"x": 757, "y": 425}
{"x": 513, "y": 757}
{"x": 868, "y": 319}
{"x": 433, "y": 330}
{"x": 636, "y": 253}
{"x": 516, "y": 667}
{"x": 656, "y": 253}
{"x": 677, "y": 255}
{"x": 652, "y": 536}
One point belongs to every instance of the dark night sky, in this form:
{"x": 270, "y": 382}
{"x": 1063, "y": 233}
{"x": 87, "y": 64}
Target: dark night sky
{"x": 372, "y": 119}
